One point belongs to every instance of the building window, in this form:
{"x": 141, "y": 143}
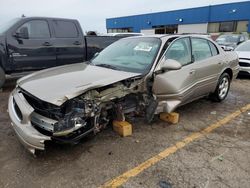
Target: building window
{"x": 242, "y": 26}
{"x": 167, "y": 29}
{"x": 233, "y": 26}
{"x": 227, "y": 27}
{"x": 120, "y": 30}
{"x": 213, "y": 27}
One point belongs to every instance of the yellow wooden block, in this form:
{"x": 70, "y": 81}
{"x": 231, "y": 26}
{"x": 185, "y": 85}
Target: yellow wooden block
{"x": 172, "y": 117}
{"x": 123, "y": 128}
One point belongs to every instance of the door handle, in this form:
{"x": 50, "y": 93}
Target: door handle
{"x": 77, "y": 43}
{"x": 47, "y": 44}
{"x": 192, "y": 72}
{"x": 220, "y": 63}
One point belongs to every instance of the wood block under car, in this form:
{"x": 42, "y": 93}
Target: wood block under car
{"x": 123, "y": 128}
{"x": 172, "y": 117}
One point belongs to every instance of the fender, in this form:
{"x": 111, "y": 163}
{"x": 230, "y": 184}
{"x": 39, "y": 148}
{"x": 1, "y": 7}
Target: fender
{"x": 3, "y": 56}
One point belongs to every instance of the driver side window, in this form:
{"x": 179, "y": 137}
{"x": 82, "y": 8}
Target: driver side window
{"x": 35, "y": 29}
{"x": 180, "y": 51}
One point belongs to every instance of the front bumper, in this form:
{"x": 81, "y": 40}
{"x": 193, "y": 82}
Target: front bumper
{"x": 245, "y": 69}
{"x": 21, "y": 122}
{"x": 244, "y": 66}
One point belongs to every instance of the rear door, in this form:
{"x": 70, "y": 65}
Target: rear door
{"x": 69, "y": 41}
{"x": 35, "y": 51}
{"x": 208, "y": 64}
{"x": 177, "y": 85}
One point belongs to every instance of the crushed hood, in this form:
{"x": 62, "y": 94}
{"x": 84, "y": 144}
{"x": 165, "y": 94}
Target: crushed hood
{"x": 56, "y": 85}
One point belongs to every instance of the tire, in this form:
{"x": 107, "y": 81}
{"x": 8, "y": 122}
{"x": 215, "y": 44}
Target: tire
{"x": 2, "y": 77}
{"x": 222, "y": 88}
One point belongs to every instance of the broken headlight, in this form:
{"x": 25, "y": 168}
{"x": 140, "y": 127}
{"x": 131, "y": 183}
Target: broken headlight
{"x": 74, "y": 117}
{"x": 72, "y": 121}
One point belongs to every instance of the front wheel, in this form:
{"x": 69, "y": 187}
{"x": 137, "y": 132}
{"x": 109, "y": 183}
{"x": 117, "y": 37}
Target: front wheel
{"x": 222, "y": 88}
{"x": 2, "y": 77}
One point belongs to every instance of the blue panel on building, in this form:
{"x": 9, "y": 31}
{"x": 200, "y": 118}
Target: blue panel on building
{"x": 215, "y": 13}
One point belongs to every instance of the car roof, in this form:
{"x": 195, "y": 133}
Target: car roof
{"x": 161, "y": 36}
{"x": 48, "y": 18}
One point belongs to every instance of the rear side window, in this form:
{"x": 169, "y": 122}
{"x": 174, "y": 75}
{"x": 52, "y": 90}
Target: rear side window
{"x": 213, "y": 49}
{"x": 65, "y": 29}
{"x": 36, "y": 29}
{"x": 180, "y": 51}
{"x": 200, "y": 49}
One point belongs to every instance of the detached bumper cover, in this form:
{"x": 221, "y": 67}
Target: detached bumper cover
{"x": 28, "y": 135}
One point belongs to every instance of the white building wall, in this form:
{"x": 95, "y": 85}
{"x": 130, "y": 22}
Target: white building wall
{"x": 148, "y": 31}
{"x": 193, "y": 28}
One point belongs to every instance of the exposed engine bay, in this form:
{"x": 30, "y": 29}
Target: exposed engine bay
{"x": 89, "y": 112}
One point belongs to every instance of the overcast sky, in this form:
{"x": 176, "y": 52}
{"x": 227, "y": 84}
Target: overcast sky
{"x": 93, "y": 13}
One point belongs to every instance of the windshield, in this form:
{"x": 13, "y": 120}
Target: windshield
{"x": 245, "y": 47}
{"x": 228, "y": 39}
{"x": 130, "y": 54}
{"x": 5, "y": 26}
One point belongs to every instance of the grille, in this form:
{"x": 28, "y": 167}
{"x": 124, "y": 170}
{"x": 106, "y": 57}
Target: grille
{"x": 17, "y": 110}
{"x": 243, "y": 64}
{"x": 43, "y": 108}
{"x": 245, "y": 59}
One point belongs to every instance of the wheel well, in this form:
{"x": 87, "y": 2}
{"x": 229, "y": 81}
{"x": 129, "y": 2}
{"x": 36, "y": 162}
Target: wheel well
{"x": 229, "y": 72}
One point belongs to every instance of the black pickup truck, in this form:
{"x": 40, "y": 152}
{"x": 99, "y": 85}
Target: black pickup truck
{"x": 35, "y": 43}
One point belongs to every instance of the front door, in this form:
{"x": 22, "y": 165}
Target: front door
{"x": 177, "y": 85}
{"x": 34, "y": 51}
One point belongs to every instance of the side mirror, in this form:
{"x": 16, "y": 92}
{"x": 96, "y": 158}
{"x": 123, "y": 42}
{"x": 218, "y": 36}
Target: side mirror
{"x": 241, "y": 40}
{"x": 96, "y": 54}
{"x": 23, "y": 33}
{"x": 170, "y": 64}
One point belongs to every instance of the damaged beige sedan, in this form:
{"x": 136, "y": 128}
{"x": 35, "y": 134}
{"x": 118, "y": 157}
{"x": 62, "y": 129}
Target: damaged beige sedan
{"x": 143, "y": 75}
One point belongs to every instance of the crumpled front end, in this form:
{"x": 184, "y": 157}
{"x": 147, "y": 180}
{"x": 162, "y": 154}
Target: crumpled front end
{"x": 20, "y": 112}
{"x": 36, "y": 121}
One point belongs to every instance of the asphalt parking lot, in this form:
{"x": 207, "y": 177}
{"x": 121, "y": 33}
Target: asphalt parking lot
{"x": 219, "y": 158}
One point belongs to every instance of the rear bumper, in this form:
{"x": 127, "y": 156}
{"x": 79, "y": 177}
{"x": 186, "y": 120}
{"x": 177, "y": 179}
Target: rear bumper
{"x": 27, "y": 134}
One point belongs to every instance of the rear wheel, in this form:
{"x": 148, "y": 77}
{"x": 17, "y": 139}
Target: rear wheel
{"x": 222, "y": 88}
{"x": 2, "y": 77}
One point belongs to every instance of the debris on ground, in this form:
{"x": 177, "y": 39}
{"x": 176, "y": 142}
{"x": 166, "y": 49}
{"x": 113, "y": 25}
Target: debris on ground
{"x": 213, "y": 112}
{"x": 165, "y": 184}
{"x": 110, "y": 153}
{"x": 207, "y": 183}
{"x": 220, "y": 157}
